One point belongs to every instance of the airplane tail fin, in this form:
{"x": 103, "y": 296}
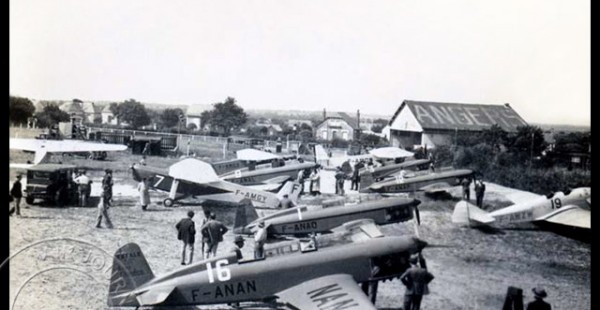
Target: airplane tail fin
{"x": 290, "y": 188}
{"x": 366, "y": 179}
{"x": 244, "y": 215}
{"x": 466, "y": 214}
{"x": 129, "y": 270}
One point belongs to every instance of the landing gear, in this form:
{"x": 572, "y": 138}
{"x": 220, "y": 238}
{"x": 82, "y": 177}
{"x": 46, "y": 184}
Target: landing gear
{"x": 29, "y": 200}
{"x": 168, "y": 202}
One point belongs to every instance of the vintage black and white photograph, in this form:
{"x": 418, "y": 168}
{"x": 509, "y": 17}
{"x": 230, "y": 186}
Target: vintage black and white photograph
{"x": 299, "y": 155}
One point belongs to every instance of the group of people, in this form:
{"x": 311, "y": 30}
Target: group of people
{"x": 479, "y": 190}
{"x": 212, "y": 232}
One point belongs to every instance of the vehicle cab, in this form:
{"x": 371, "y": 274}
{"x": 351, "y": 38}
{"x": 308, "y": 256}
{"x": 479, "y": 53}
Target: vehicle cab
{"x": 44, "y": 180}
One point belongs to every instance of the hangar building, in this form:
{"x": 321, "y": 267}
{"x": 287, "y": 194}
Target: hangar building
{"x": 420, "y": 123}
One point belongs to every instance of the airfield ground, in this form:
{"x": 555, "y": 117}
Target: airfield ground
{"x": 472, "y": 272}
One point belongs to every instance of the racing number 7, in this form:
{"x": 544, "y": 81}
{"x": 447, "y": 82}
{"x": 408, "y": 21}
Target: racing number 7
{"x": 223, "y": 273}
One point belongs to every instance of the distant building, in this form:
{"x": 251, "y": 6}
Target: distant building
{"x": 336, "y": 125}
{"x": 194, "y": 112}
{"x": 75, "y": 110}
{"x": 436, "y": 123}
{"x": 108, "y": 117}
{"x": 298, "y": 122}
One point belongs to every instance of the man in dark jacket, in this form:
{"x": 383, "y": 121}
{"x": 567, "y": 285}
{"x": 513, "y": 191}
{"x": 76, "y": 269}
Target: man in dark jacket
{"x": 539, "y": 303}
{"x": 215, "y": 231}
{"x": 186, "y": 232}
{"x": 17, "y": 193}
{"x": 416, "y": 280}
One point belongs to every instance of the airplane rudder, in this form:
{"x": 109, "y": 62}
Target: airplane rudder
{"x": 245, "y": 214}
{"x": 129, "y": 270}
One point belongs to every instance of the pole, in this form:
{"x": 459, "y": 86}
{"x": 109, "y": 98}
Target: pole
{"x": 531, "y": 151}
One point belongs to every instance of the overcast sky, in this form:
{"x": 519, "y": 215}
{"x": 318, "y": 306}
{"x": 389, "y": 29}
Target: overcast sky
{"x": 308, "y": 55}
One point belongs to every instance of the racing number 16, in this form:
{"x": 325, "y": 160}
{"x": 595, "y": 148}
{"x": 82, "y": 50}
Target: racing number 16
{"x": 556, "y": 203}
{"x": 223, "y": 273}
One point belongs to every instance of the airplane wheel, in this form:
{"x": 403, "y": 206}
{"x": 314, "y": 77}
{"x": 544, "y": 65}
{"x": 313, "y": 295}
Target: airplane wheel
{"x": 29, "y": 200}
{"x": 168, "y": 202}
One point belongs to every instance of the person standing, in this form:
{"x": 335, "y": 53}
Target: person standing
{"x": 83, "y": 184}
{"x": 466, "y": 182}
{"x": 415, "y": 279}
{"x": 16, "y": 193}
{"x": 286, "y": 203}
{"x": 260, "y": 237}
{"x": 238, "y": 244}
{"x": 316, "y": 183}
{"x": 355, "y": 176}
{"x": 205, "y": 238}
{"x": 144, "y": 194}
{"x": 479, "y": 192}
{"x": 107, "y": 184}
{"x": 186, "y": 232}
{"x": 103, "y": 206}
{"x": 215, "y": 231}
{"x": 539, "y": 303}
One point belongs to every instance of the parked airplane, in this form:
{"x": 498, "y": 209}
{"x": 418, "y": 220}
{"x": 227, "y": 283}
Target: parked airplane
{"x": 304, "y": 220}
{"x": 44, "y": 148}
{"x": 314, "y": 279}
{"x": 429, "y": 183}
{"x": 387, "y": 170}
{"x": 198, "y": 179}
{"x": 247, "y": 169}
{"x": 569, "y": 209}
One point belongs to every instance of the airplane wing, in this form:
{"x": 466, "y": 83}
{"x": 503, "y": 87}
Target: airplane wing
{"x": 63, "y": 146}
{"x": 277, "y": 180}
{"x": 155, "y": 296}
{"x": 193, "y": 170}
{"x": 570, "y": 216}
{"x": 44, "y": 147}
{"x": 255, "y": 155}
{"x": 435, "y": 188}
{"x": 390, "y": 152}
{"x": 359, "y": 230}
{"x": 338, "y": 291}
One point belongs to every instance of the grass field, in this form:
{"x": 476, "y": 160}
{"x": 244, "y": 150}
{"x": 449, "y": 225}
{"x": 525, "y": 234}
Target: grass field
{"x": 472, "y": 268}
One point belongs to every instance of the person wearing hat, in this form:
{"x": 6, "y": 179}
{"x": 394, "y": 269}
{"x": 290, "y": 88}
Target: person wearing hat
{"x": 16, "y": 193}
{"x": 186, "y": 232}
{"x": 260, "y": 237}
{"x": 107, "y": 184}
{"x": 539, "y": 304}
{"x": 286, "y": 203}
{"x": 415, "y": 279}
{"x": 238, "y": 244}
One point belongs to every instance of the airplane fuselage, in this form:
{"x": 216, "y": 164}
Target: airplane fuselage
{"x": 223, "y": 279}
{"x": 259, "y": 176}
{"x": 159, "y": 179}
{"x": 383, "y": 171}
{"x": 301, "y": 221}
{"x": 412, "y": 184}
{"x": 536, "y": 209}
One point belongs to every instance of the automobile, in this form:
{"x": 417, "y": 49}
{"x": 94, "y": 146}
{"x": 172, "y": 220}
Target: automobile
{"x": 42, "y": 183}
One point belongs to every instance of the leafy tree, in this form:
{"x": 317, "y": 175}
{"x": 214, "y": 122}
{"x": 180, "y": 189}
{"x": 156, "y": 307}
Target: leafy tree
{"x": 192, "y": 126}
{"x": 305, "y": 127}
{"x": 495, "y": 137}
{"x": 51, "y": 115}
{"x": 170, "y": 117}
{"x": 528, "y": 141}
{"x": 226, "y": 116}
{"x": 20, "y": 109}
{"x": 132, "y": 113}
{"x": 378, "y": 125}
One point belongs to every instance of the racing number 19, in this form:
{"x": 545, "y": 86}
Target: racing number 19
{"x": 223, "y": 273}
{"x": 556, "y": 203}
